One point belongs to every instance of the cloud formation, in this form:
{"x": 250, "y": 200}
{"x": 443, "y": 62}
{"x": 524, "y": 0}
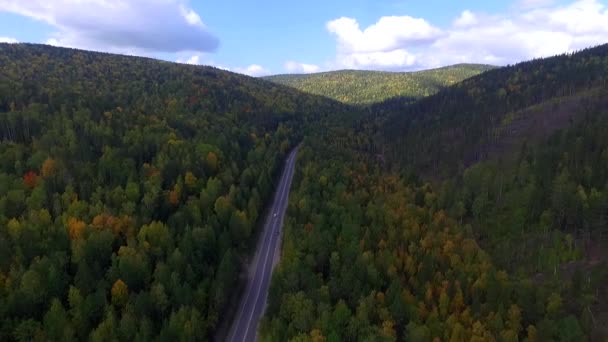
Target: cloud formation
{"x": 128, "y": 25}
{"x": 194, "y": 60}
{"x": 401, "y": 31}
{"x": 534, "y": 28}
{"x": 300, "y": 68}
{"x": 8, "y": 40}
{"x": 254, "y": 70}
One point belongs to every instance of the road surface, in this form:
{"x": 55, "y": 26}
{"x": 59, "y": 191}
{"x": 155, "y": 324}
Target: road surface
{"x": 253, "y": 303}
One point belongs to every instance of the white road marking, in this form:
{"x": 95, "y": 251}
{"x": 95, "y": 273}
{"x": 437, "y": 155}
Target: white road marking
{"x": 283, "y": 182}
{"x": 257, "y": 293}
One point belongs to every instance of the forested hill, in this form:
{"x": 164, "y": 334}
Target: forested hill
{"x": 364, "y": 87}
{"x": 519, "y": 154}
{"x": 130, "y": 189}
{"x": 479, "y": 116}
{"x": 371, "y": 253}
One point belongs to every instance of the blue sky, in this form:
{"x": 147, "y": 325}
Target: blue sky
{"x": 271, "y": 36}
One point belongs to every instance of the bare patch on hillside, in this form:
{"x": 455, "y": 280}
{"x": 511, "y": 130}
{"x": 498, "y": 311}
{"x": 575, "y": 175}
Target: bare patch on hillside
{"x": 535, "y": 123}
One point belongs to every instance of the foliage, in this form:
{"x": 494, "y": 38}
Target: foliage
{"x": 442, "y": 134}
{"x": 366, "y": 87}
{"x": 130, "y": 189}
{"x": 368, "y": 255}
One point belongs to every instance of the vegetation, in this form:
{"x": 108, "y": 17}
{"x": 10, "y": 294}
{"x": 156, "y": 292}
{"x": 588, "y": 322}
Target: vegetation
{"x": 447, "y": 132}
{"x": 366, "y": 87}
{"x": 368, "y": 255}
{"x": 375, "y": 254}
{"x": 130, "y": 189}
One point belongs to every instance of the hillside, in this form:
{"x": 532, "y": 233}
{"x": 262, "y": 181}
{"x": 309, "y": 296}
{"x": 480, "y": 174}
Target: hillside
{"x": 130, "y": 190}
{"x": 516, "y": 151}
{"x": 452, "y": 129}
{"x": 365, "y": 87}
{"x": 371, "y": 255}
{"x": 518, "y": 154}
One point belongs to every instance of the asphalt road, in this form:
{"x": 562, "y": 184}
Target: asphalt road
{"x": 253, "y": 303}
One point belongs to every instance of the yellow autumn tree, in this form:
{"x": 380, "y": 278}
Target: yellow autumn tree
{"x": 317, "y": 336}
{"x": 388, "y": 329}
{"x": 49, "y": 168}
{"x": 14, "y": 228}
{"x": 75, "y": 228}
{"x": 532, "y": 334}
{"x": 120, "y": 293}
{"x": 190, "y": 180}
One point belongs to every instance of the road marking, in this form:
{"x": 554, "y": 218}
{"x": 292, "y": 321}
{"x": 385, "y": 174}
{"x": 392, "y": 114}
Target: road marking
{"x": 267, "y": 233}
{"x": 257, "y": 292}
{"x": 255, "y": 264}
{"x": 283, "y": 181}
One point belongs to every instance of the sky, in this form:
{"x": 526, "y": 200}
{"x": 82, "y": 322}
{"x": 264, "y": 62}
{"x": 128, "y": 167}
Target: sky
{"x": 265, "y": 37}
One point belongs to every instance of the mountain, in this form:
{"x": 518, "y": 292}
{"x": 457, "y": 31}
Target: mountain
{"x": 372, "y": 253}
{"x": 365, "y": 87}
{"x": 485, "y": 114}
{"x": 517, "y": 153}
{"x": 130, "y": 190}
{"x": 507, "y": 241}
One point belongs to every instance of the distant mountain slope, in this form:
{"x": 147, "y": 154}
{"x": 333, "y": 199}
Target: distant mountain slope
{"x": 362, "y": 87}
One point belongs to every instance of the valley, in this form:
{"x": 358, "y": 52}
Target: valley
{"x": 460, "y": 203}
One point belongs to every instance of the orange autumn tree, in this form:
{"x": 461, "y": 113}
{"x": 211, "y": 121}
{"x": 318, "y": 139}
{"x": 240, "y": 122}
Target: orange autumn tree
{"x": 118, "y": 225}
{"x": 75, "y": 228}
{"x": 174, "y": 197}
{"x": 30, "y": 179}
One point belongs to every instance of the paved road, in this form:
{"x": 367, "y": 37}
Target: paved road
{"x": 252, "y": 305}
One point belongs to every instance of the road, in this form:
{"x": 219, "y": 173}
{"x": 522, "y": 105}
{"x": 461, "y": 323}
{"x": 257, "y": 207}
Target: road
{"x": 253, "y": 303}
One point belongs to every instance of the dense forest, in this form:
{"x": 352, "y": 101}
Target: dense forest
{"x": 508, "y": 242}
{"x": 366, "y": 87}
{"x": 518, "y": 153}
{"x": 130, "y": 190}
{"x": 447, "y": 132}
{"x": 369, "y": 255}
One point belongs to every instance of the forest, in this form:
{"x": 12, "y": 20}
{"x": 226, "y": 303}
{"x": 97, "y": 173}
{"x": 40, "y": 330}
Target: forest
{"x": 463, "y": 209}
{"x": 366, "y": 87}
{"x": 130, "y": 190}
{"x": 371, "y": 255}
{"x": 449, "y": 131}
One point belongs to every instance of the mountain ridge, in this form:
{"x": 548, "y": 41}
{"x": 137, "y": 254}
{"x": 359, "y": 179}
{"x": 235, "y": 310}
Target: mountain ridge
{"x": 364, "y": 87}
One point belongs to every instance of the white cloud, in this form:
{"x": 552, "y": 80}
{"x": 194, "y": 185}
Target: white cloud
{"x": 254, "y": 70}
{"x": 466, "y": 19}
{"x": 534, "y": 28}
{"x": 127, "y": 25}
{"x": 194, "y": 60}
{"x": 301, "y": 68}
{"x": 389, "y": 33}
{"x": 8, "y": 40}
{"x": 389, "y": 60}
{"x": 527, "y": 4}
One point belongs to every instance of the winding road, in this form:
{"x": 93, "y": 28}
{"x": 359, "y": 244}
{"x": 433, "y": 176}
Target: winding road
{"x": 253, "y": 303}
